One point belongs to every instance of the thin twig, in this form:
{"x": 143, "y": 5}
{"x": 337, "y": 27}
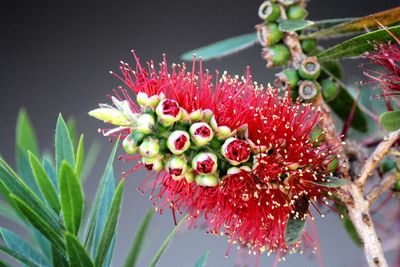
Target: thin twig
{"x": 381, "y": 150}
{"x": 387, "y": 182}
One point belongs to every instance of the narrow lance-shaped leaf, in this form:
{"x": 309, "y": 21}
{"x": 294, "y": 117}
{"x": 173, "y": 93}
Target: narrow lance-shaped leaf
{"x": 296, "y": 221}
{"x": 64, "y": 147}
{"x": 222, "y": 48}
{"x": 294, "y": 25}
{"x": 166, "y": 243}
{"x": 44, "y": 183}
{"x": 71, "y": 125}
{"x": 327, "y": 23}
{"x": 333, "y": 182}
{"x": 111, "y": 223}
{"x": 359, "y": 45}
{"x": 387, "y": 17}
{"x": 390, "y": 120}
{"x": 202, "y": 262}
{"x": 25, "y": 134}
{"x": 16, "y": 243}
{"x": 77, "y": 254}
{"x": 43, "y": 226}
{"x": 19, "y": 256}
{"x": 134, "y": 251}
{"x": 101, "y": 204}
{"x": 71, "y": 197}
{"x": 80, "y": 156}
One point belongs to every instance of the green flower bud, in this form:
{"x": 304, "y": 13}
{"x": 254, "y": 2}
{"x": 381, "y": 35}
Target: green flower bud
{"x": 287, "y": 2}
{"x": 207, "y": 114}
{"x": 269, "y": 11}
{"x": 201, "y": 133}
{"x": 196, "y": 115}
{"x": 189, "y": 176}
{"x": 223, "y": 132}
{"x": 129, "y": 145}
{"x": 269, "y": 34}
{"x": 276, "y": 55}
{"x": 176, "y": 167}
{"x": 296, "y": 12}
{"x": 309, "y": 90}
{"x": 309, "y": 45}
{"x": 330, "y": 89}
{"x": 145, "y": 123}
{"x": 153, "y": 164}
{"x": 141, "y": 99}
{"x": 150, "y": 147}
{"x": 233, "y": 170}
{"x": 168, "y": 112}
{"x": 205, "y": 163}
{"x": 153, "y": 101}
{"x": 288, "y": 78}
{"x": 111, "y": 115}
{"x": 207, "y": 180}
{"x": 178, "y": 142}
{"x": 310, "y": 68}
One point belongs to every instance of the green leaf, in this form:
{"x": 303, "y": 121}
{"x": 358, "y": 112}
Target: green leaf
{"x": 64, "y": 147}
{"x": 4, "y": 264}
{"x": 59, "y": 259}
{"x": 101, "y": 205}
{"x": 166, "y": 242}
{"x": 25, "y": 134}
{"x": 15, "y": 186}
{"x": 71, "y": 197}
{"x": 222, "y": 48}
{"x": 294, "y": 25}
{"x": 80, "y": 156}
{"x": 19, "y": 256}
{"x": 359, "y": 45}
{"x": 43, "y": 226}
{"x": 294, "y": 229}
{"x": 388, "y": 17}
{"x": 348, "y": 224}
{"x": 19, "y": 245}
{"x": 327, "y": 23}
{"x": 203, "y": 259}
{"x": 51, "y": 172}
{"x": 45, "y": 185}
{"x": 111, "y": 223}
{"x": 136, "y": 246}
{"x": 71, "y": 125}
{"x": 343, "y": 103}
{"x": 390, "y": 120}
{"x": 76, "y": 252}
{"x": 332, "y": 182}
{"x": 8, "y": 212}
{"x": 90, "y": 160}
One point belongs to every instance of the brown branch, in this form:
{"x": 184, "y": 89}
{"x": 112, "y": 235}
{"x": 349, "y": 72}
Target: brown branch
{"x": 385, "y": 184}
{"x": 381, "y": 150}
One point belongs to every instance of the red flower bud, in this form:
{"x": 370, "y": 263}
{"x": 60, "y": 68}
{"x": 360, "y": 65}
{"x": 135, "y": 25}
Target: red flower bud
{"x": 236, "y": 151}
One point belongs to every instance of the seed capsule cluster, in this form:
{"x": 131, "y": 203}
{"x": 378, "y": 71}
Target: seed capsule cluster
{"x": 189, "y": 146}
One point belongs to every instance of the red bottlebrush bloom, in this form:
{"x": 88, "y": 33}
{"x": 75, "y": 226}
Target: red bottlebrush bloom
{"x": 247, "y": 162}
{"x": 386, "y": 56}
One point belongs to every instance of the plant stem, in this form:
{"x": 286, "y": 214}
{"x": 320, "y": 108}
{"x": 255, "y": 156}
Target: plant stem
{"x": 385, "y": 184}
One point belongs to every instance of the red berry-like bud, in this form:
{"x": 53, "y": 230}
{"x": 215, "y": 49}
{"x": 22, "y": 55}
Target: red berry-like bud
{"x": 178, "y": 142}
{"x": 236, "y": 151}
{"x": 205, "y": 163}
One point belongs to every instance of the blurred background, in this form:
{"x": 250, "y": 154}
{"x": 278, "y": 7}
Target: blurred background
{"x": 55, "y": 57}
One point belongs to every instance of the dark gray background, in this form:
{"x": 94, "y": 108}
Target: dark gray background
{"x": 55, "y": 57}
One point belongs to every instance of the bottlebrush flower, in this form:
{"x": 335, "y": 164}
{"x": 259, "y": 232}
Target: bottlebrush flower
{"x": 252, "y": 160}
{"x": 388, "y": 57}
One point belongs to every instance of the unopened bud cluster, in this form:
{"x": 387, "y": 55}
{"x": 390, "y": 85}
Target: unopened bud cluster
{"x": 189, "y": 146}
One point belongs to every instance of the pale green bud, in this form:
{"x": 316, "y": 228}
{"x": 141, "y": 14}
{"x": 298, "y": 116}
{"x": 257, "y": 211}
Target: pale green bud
{"x": 201, "y": 133}
{"x": 150, "y": 147}
{"x": 142, "y": 99}
{"x": 178, "y": 142}
{"x": 207, "y": 180}
{"x": 176, "y": 167}
{"x": 145, "y": 123}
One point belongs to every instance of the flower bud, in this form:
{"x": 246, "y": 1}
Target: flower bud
{"x": 168, "y": 112}
{"x": 129, "y": 145}
{"x": 236, "y": 151}
{"x": 178, "y": 142}
{"x": 196, "y": 115}
{"x": 153, "y": 101}
{"x": 207, "y": 180}
{"x": 233, "y": 170}
{"x": 153, "y": 164}
{"x": 309, "y": 90}
{"x": 223, "y": 132}
{"x": 330, "y": 89}
{"x": 296, "y": 12}
{"x": 205, "y": 163}
{"x": 189, "y": 176}
{"x": 145, "y": 123}
{"x": 269, "y": 34}
{"x": 176, "y": 167}
{"x": 310, "y": 68}
{"x": 141, "y": 99}
{"x": 309, "y": 45}
{"x": 269, "y": 11}
{"x": 201, "y": 133}
{"x": 111, "y": 115}
{"x": 276, "y": 55}
{"x": 150, "y": 147}
{"x": 207, "y": 115}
